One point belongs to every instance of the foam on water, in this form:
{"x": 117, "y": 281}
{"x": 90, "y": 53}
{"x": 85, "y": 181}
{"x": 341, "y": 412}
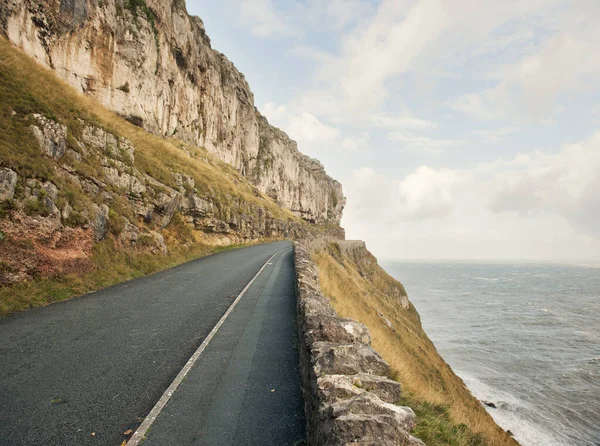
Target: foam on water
{"x": 508, "y": 414}
{"x": 526, "y": 337}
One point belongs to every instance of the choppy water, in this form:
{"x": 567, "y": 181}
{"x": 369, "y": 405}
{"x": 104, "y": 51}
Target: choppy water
{"x": 525, "y": 336}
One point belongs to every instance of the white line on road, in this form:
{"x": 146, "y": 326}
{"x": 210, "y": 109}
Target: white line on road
{"x": 141, "y": 431}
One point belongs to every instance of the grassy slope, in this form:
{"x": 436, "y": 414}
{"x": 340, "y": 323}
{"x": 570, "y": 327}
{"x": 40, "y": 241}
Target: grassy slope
{"x": 447, "y": 412}
{"x": 26, "y": 88}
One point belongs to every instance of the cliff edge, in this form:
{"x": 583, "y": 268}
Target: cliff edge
{"x": 152, "y": 63}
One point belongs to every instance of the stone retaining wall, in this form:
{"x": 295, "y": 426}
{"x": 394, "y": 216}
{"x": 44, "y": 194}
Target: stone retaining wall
{"x": 348, "y": 397}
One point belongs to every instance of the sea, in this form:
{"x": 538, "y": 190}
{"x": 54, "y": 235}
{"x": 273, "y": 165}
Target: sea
{"x": 525, "y": 337}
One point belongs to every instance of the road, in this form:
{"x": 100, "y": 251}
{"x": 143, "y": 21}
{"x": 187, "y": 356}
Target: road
{"x": 84, "y": 371}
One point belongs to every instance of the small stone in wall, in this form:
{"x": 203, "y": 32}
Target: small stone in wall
{"x": 346, "y": 359}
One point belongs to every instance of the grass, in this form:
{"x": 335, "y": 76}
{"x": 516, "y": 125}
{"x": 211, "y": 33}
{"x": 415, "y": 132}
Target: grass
{"x": 27, "y": 88}
{"x": 111, "y": 266}
{"x": 447, "y": 413}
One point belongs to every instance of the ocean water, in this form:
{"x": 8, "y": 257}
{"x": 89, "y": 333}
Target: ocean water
{"x": 524, "y": 336}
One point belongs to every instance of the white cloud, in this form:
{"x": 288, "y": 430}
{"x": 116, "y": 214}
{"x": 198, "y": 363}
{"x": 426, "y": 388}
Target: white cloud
{"x": 372, "y": 196}
{"x": 424, "y": 194}
{"x": 388, "y": 120}
{"x": 493, "y": 136}
{"x": 428, "y": 193}
{"x": 392, "y": 82}
{"x": 307, "y": 127}
{"x": 273, "y": 111}
{"x": 265, "y": 20}
{"x": 536, "y": 205}
{"x": 566, "y": 183}
{"x": 531, "y": 86}
{"x": 423, "y": 144}
{"x": 356, "y": 142}
{"x": 476, "y": 105}
{"x": 304, "y": 127}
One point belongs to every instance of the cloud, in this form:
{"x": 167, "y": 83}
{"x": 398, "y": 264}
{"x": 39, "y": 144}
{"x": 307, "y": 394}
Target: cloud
{"x": 388, "y": 120}
{"x": 531, "y": 86}
{"x": 274, "y": 111}
{"x": 265, "y": 20}
{"x": 356, "y": 143}
{"x": 302, "y": 126}
{"x": 387, "y": 84}
{"x": 493, "y": 136}
{"x": 372, "y": 196}
{"x": 424, "y": 194}
{"x": 307, "y": 127}
{"x": 566, "y": 184}
{"x": 421, "y": 144}
{"x": 535, "y": 205}
{"x": 428, "y": 193}
{"x": 478, "y": 106}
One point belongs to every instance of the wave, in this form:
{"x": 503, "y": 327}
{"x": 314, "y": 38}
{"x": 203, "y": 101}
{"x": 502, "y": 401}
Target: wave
{"x": 511, "y": 414}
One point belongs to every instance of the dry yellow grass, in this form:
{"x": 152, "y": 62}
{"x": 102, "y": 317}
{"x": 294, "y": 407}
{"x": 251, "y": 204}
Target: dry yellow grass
{"x": 28, "y": 87}
{"x": 431, "y": 386}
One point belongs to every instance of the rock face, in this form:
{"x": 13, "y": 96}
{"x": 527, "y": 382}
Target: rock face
{"x": 153, "y": 64}
{"x": 8, "y": 181}
{"x": 348, "y": 398}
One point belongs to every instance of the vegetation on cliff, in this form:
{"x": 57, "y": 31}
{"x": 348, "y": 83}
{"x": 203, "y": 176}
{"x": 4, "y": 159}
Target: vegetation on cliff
{"x": 76, "y": 216}
{"x": 447, "y": 413}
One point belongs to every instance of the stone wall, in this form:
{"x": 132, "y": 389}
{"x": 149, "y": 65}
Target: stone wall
{"x": 348, "y": 396}
{"x": 152, "y": 63}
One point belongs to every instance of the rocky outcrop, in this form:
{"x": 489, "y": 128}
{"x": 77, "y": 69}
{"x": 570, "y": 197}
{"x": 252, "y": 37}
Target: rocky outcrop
{"x": 8, "y": 181}
{"x": 97, "y": 193}
{"x": 348, "y": 397}
{"x": 152, "y": 63}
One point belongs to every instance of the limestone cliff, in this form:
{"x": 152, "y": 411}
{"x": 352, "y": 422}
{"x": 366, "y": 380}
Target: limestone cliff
{"x": 152, "y": 63}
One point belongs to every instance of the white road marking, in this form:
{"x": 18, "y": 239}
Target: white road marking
{"x": 141, "y": 431}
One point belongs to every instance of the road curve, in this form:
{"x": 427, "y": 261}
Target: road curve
{"x": 84, "y": 371}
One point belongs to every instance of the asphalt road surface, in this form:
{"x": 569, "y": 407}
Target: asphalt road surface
{"x": 84, "y": 371}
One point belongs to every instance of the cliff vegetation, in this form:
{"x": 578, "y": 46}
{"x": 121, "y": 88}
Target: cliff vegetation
{"x": 88, "y": 200}
{"x": 359, "y": 289}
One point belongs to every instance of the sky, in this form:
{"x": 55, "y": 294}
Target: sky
{"x": 460, "y": 129}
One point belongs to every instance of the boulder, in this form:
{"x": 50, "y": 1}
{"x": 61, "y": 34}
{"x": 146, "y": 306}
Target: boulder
{"x": 387, "y": 389}
{"x": 8, "y": 182}
{"x": 368, "y": 403}
{"x": 129, "y": 235}
{"x": 160, "y": 242}
{"x": 346, "y": 359}
{"x": 314, "y": 304}
{"x": 331, "y": 388}
{"x": 184, "y": 181}
{"x": 50, "y": 207}
{"x": 67, "y": 211}
{"x": 123, "y": 181}
{"x": 337, "y": 330}
{"x": 363, "y": 430}
{"x": 50, "y": 189}
{"x": 198, "y": 207}
{"x": 51, "y": 136}
{"x": 100, "y": 221}
{"x": 167, "y": 206}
